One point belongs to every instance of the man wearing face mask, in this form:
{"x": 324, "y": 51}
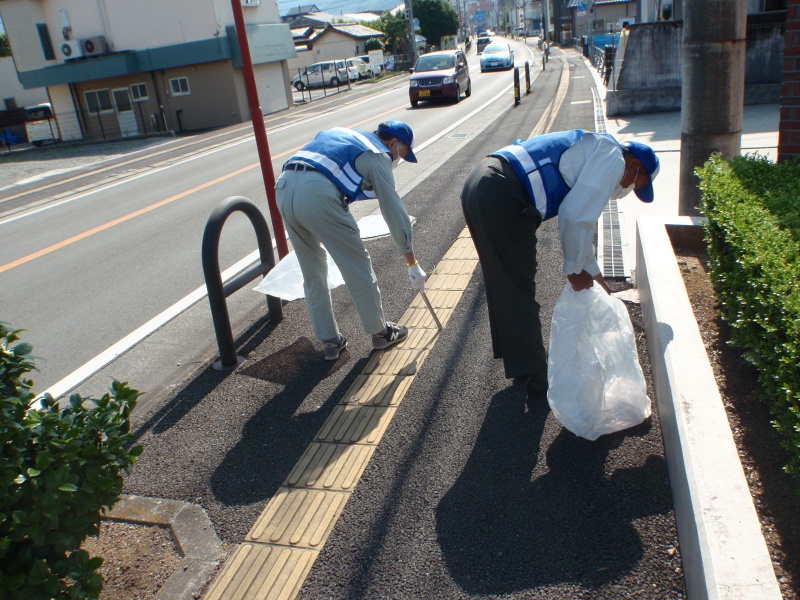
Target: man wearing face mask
{"x": 571, "y": 175}
{"x": 318, "y": 183}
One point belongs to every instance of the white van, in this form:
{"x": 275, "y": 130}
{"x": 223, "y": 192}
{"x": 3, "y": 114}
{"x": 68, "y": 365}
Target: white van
{"x": 329, "y": 73}
{"x": 40, "y": 124}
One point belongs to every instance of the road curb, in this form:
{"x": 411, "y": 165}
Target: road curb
{"x": 722, "y": 547}
{"x": 192, "y": 531}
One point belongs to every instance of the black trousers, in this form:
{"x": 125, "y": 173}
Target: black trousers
{"x": 503, "y": 224}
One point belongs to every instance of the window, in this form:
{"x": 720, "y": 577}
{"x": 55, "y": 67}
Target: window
{"x": 98, "y": 100}
{"x": 47, "y": 43}
{"x": 139, "y": 92}
{"x": 180, "y": 86}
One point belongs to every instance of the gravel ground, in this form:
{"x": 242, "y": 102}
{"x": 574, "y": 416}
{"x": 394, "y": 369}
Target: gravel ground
{"x": 26, "y": 164}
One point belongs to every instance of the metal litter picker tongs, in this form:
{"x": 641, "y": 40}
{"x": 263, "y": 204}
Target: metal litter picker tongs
{"x": 430, "y": 308}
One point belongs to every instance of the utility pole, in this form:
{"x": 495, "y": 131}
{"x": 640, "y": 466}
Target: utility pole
{"x": 712, "y": 100}
{"x": 546, "y": 19}
{"x": 412, "y": 34}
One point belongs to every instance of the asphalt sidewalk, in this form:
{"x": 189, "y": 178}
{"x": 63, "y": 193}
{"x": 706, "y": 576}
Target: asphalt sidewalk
{"x": 461, "y": 492}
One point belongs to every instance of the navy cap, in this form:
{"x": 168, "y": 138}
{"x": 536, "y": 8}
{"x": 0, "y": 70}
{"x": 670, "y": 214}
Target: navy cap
{"x": 650, "y": 162}
{"x": 403, "y": 133}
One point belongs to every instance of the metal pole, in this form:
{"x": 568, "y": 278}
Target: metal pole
{"x": 259, "y": 129}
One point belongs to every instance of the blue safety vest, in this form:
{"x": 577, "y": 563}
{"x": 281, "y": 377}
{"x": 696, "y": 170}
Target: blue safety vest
{"x": 334, "y": 152}
{"x": 535, "y": 161}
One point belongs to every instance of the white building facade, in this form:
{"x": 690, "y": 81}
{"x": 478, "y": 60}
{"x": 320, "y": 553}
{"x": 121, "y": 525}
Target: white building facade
{"x": 114, "y": 68}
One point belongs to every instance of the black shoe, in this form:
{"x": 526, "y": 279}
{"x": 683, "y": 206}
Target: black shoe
{"x": 520, "y": 386}
{"x": 332, "y": 349}
{"x": 394, "y": 334}
{"x": 536, "y": 393}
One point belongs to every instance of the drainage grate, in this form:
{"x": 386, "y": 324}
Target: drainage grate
{"x": 610, "y": 254}
{"x": 611, "y": 258}
{"x": 459, "y": 135}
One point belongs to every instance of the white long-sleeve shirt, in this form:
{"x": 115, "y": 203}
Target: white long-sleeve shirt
{"x": 378, "y": 177}
{"x": 592, "y": 167}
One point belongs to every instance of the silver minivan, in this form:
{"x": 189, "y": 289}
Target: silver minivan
{"x": 329, "y": 73}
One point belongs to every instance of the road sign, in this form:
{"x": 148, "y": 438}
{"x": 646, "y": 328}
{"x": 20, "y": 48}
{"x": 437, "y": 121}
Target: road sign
{"x": 416, "y": 22}
{"x": 480, "y": 16}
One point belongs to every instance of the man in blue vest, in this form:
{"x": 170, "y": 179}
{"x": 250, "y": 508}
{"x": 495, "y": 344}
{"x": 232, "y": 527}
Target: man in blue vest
{"x": 569, "y": 174}
{"x": 338, "y": 167}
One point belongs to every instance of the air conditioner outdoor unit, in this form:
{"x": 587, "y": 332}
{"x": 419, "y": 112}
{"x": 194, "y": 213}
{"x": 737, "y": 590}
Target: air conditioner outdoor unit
{"x": 71, "y": 49}
{"x": 94, "y": 45}
{"x": 251, "y": 2}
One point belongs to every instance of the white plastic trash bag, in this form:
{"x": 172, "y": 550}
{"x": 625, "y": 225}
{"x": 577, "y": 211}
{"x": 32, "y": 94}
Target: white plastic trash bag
{"x": 285, "y": 280}
{"x": 596, "y": 385}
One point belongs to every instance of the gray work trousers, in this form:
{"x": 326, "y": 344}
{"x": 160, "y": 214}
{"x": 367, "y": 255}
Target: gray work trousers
{"x": 316, "y": 215}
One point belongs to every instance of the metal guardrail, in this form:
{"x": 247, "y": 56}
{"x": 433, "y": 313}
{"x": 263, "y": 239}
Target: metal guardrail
{"x": 217, "y": 292}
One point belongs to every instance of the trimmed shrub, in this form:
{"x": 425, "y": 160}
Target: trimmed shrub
{"x": 59, "y": 468}
{"x": 753, "y": 235}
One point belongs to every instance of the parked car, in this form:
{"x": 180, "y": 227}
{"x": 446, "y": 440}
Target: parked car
{"x": 440, "y": 75}
{"x": 328, "y": 73}
{"x": 376, "y": 69}
{"x": 482, "y": 42}
{"x": 497, "y": 56}
{"x": 364, "y": 70}
{"x": 352, "y": 71}
{"x": 40, "y": 124}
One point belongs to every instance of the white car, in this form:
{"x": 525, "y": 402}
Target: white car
{"x": 329, "y": 74}
{"x": 364, "y": 70}
{"x": 352, "y": 70}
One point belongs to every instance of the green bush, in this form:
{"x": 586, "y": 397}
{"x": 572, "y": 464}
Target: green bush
{"x": 753, "y": 236}
{"x": 59, "y": 469}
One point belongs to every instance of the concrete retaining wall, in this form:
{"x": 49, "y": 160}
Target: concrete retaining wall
{"x": 650, "y": 71}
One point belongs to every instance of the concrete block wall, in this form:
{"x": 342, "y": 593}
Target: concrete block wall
{"x": 650, "y": 74}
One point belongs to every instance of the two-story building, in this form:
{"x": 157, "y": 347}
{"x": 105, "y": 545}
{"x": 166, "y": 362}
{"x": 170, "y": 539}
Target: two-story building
{"x": 114, "y": 68}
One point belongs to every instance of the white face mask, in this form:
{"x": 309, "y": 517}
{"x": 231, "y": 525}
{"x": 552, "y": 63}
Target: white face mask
{"x": 621, "y": 192}
{"x": 396, "y": 155}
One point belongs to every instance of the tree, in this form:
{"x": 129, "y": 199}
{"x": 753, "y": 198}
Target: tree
{"x": 436, "y": 19}
{"x": 5, "y": 47}
{"x": 373, "y": 44}
{"x": 395, "y": 28}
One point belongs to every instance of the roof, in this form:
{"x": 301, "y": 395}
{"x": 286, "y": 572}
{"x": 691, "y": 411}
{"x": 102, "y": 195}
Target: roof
{"x": 324, "y": 17}
{"x": 578, "y": 3}
{"x": 302, "y": 10}
{"x": 362, "y": 16}
{"x": 302, "y": 32}
{"x": 358, "y": 32}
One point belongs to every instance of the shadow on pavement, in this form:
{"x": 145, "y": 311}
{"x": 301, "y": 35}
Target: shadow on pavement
{"x": 510, "y": 524}
{"x": 275, "y": 437}
{"x": 203, "y": 384}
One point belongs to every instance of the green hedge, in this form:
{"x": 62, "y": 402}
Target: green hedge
{"x": 753, "y": 236}
{"x": 58, "y": 469}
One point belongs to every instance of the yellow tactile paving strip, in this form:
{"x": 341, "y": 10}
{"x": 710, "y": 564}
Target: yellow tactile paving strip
{"x": 280, "y": 549}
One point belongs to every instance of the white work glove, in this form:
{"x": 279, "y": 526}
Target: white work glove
{"x": 417, "y": 277}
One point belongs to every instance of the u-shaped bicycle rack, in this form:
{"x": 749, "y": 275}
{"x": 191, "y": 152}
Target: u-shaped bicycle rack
{"x": 217, "y": 292}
